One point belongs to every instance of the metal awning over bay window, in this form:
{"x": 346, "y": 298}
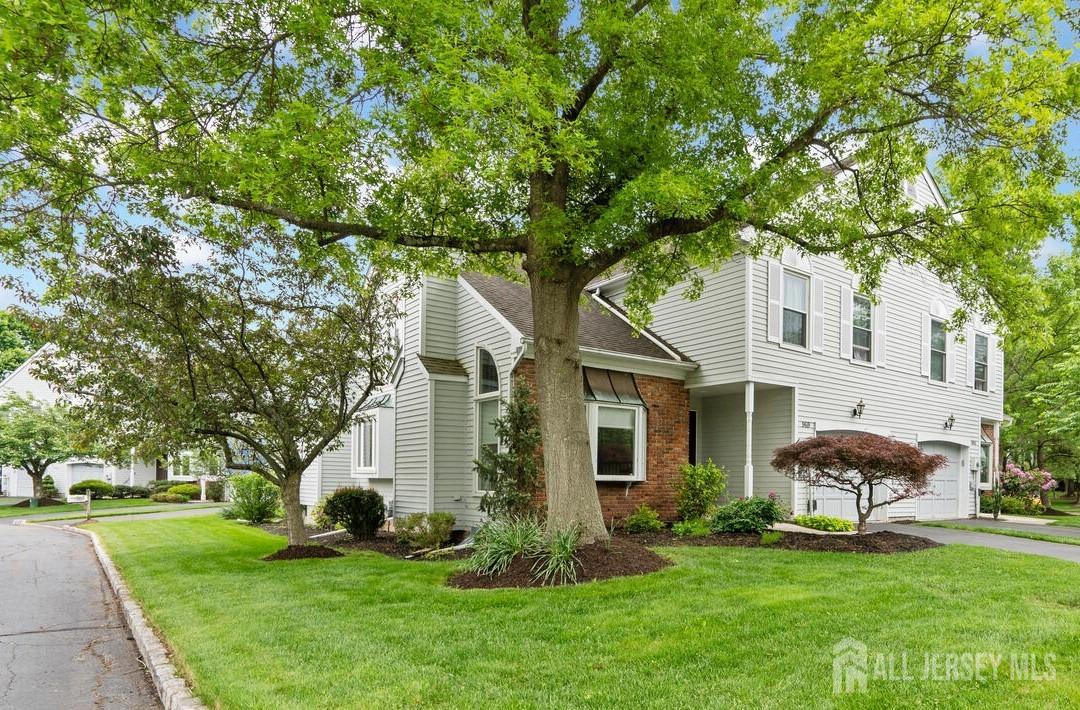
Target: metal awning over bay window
{"x": 617, "y": 421}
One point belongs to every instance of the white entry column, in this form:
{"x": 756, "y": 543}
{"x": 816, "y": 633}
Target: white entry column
{"x": 748, "y": 468}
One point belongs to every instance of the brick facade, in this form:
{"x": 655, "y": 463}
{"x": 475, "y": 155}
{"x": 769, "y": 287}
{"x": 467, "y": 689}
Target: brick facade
{"x": 666, "y": 448}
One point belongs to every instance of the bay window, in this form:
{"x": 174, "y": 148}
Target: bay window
{"x": 364, "y": 438}
{"x": 616, "y": 416}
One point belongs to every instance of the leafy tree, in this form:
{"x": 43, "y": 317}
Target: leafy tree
{"x": 567, "y": 136}
{"x": 18, "y": 340}
{"x": 513, "y": 472}
{"x": 1033, "y": 354}
{"x": 242, "y": 351}
{"x": 877, "y": 470}
{"x": 34, "y": 435}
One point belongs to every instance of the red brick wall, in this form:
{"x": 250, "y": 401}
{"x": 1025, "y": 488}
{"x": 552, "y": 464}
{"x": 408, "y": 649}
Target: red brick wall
{"x": 666, "y": 447}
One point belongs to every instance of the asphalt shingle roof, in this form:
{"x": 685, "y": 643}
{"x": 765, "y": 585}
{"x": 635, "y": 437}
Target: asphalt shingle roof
{"x": 439, "y": 366}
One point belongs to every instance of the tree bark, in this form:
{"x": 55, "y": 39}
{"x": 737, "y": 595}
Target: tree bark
{"x": 572, "y": 499}
{"x": 37, "y": 479}
{"x": 294, "y": 514}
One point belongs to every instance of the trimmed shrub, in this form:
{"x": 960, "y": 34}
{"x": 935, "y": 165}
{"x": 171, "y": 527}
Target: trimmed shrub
{"x": 191, "y": 490}
{"x": 361, "y": 511}
{"x": 96, "y": 489}
{"x": 169, "y": 498}
{"x": 48, "y": 487}
{"x": 318, "y": 516}
{"x": 254, "y": 499}
{"x": 215, "y": 491}
{"x": 698, "y": 489}
{"x": 643, "y": 520}
{"x": 162, "y": 486}
{"x": 1016, "y": 505}
{"x": 422, "y": 531}
{"x": 499, "y": 541}
{"x": 828, "y": 523}
{"x": 698, "y": 527}
{"x": 749, "y": 515}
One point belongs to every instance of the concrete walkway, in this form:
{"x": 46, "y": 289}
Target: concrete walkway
{"x": 63, "y": 641}
{"x": 998, "y": 542}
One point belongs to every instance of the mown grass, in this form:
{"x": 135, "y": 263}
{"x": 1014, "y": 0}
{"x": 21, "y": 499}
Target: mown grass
{"x": 1042, "y": 537}
{"x": 724, "y": 627}
{"x": 9, "y": 511}
{"x": 163, "y": 508}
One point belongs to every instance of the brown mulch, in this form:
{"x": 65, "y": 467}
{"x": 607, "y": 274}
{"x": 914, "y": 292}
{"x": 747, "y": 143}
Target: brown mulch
{"x": 620, "y": 558}
{"x": 878, "y": 543}
{"x": 386, "y": 543}
{"x": 1054, "y": 511}
{"x": 303, "y": 552}
{"x": 42, "y": 502}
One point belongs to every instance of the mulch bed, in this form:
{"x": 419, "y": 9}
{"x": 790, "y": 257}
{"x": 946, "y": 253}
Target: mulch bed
{"x": 42, "y": 502}
{"x": 385, "y": 543}
{"x": 1054, "y": 511}
{"x": 878, "y": 543}
{"x": 621, "y": 558}
{"x": 303, "y": 552}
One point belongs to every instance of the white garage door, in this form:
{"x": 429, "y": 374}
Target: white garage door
{"x": 85, "y": 471}
{"x": 942, "y": 501}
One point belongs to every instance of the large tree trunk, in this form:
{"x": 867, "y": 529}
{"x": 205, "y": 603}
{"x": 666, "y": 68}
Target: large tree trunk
{"x": 36, "y": 479}
{"x": 294, "y": 514}
{"x": 572, "y": 499}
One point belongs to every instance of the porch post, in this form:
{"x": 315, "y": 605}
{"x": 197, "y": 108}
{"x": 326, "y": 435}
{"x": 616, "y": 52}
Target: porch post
{"x": 748, "y": 468}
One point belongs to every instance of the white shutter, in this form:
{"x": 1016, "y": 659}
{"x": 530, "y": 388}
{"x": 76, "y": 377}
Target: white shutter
{"x": 926, "y": 344}
{"x": 817, "y": 307}
{"x": 881, "y": 329}
{"x": 991, "y": 363}
{"x": 971, "y": 358}
{"x": 950, "y": 357}
{"x": 776, "y": 293}
{"x": 845, "y": 322}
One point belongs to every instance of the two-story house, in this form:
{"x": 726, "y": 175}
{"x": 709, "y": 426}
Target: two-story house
{"x": 774, "y": 350}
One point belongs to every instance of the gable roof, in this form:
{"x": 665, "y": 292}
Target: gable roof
{"x": 602, "y": 327}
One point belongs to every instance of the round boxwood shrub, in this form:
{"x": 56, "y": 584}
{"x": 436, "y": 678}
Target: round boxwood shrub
{"x": 749, "y": 515}
{"x": 96, "y": 489}
{"x": 361, "y": 511}
{"x": 191, "y": 490}
{"x": 169, "y": 498}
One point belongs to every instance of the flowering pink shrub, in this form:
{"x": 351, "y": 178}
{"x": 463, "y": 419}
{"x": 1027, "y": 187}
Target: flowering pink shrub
{"x": 1015, "y": 481}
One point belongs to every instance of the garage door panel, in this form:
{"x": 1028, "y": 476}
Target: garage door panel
{"x": 942, "y": 500}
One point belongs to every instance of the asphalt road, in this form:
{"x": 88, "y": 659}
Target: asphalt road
{"x": 63, "y": 641}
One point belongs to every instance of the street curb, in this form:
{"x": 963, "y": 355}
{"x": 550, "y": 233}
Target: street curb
{"x": 172, "y": 689}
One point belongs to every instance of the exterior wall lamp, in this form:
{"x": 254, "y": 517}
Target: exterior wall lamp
{"x": 858, "y": 410}
{"x": 950, "y": 422}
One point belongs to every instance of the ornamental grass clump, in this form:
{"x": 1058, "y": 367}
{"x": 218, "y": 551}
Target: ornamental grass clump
{"x": 499, "y": 541}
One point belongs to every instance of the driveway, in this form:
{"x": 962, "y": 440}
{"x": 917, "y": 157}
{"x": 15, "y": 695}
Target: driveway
{"x": 63, "y": 641}
{"x": 997, "y": 542}
{"x": 1039, "y": 528}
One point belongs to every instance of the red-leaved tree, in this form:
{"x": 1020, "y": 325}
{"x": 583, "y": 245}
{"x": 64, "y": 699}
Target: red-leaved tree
{"x": 877, "y": 470}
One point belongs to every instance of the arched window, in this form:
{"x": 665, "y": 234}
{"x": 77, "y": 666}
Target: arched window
{"x": 487, "y": 373}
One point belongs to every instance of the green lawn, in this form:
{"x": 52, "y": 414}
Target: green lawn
{"x": 9, "y": 511}
{"x": 1045, "y": 537}
{"x": 725, "y": 626}
{"x": 151, "y": 508}
{"x": 1071, "y": 521}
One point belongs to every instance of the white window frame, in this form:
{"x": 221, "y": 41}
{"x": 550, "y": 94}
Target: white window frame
{"x": 989, "y": 482}
{"x": 357, "y": 446}
{"x": 478, "y": 401}
{"x": 930, "y": 357}
{"x": 974, "y": 361}
{"x": 807, "y": 326}
{"x": 640, "y": 438}
{"x": 871, "y": 349}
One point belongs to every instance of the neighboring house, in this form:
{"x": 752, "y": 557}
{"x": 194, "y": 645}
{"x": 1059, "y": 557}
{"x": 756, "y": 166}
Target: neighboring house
{"x": 775, "y": 350}
{"x": 15, "y": 481}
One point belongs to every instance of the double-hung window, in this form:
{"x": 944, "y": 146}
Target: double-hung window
{"x": 982, "y": 361}
{"x": 938, "y": 353}
{"x": 796, "y": 308}
{"x": 487, "y": 411}
{"x": 862, "y": 329}
{"x": 364, "y": 434}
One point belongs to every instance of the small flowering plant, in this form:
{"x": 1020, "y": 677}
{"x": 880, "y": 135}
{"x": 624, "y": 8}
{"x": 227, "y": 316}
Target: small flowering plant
{"x": 1017, "y": 482}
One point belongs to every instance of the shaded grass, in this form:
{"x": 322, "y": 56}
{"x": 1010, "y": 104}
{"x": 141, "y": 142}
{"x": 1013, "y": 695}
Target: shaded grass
{"x": 1042, "y": 537}
{"x": 151, "y": 508}
{"x": 9, "y": 511}
{"x": 724, "y": 627}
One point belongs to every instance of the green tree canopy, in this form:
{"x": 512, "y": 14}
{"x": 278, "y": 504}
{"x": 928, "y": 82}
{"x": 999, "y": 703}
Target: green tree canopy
{"x": 574, "y": 136}
{"x": 18, "y": 340}
{"x": 35, "y": 434}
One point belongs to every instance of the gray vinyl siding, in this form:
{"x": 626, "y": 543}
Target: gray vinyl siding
{"x": 772, "y": 429}
{"x": 410, "y": 491}
{"x": 477, "y": 327}
{"x": 721, "y": 433}
{"x": 336, "y": 465}
{"x": 440, "y": 318}
{"x": 309, "y": 484}
{"x": 711, "y": 330}
{"x": 452, "y": 450}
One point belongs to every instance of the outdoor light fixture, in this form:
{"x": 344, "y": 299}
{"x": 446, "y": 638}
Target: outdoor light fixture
{"x": 857, "y": 412}
{"x": 949, "y": 422}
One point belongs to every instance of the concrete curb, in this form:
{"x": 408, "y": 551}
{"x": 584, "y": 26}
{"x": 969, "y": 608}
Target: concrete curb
{"x": 173, "y": 690}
